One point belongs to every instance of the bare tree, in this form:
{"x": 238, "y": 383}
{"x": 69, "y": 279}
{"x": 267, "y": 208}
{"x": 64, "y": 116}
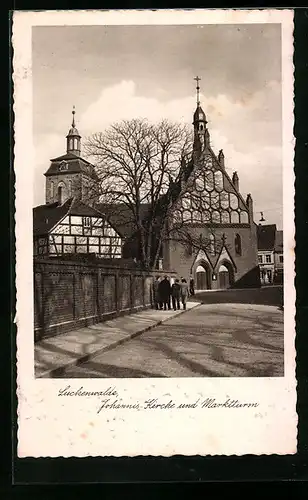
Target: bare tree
{"x": 143, "y": 169}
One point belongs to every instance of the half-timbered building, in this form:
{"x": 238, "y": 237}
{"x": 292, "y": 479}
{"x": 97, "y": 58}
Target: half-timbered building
{"x": 69, "y": 223}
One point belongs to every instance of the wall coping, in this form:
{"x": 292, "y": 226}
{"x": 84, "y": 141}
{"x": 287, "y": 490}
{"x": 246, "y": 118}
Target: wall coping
{"x": 99, "y": 265}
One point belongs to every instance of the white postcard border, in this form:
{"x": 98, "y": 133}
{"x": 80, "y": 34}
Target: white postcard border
{"x": 49, "y": 425}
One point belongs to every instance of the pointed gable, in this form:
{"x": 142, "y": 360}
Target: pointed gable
{"x": 202, "y": 256}
{"x": 209, "y": 196}
{"x": 224, "y": 255}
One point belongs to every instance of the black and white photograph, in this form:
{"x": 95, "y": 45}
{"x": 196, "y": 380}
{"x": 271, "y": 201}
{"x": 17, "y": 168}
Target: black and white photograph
{"x": 154, "y": 232}
{"x": 157, "y": 220}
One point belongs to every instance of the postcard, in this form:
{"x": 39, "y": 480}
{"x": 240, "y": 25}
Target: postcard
{"x": 155, "y": 236}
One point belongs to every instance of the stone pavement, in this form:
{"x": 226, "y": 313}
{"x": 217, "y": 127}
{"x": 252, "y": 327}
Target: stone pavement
{"x": 212, "y": 340}
{"x": 55, "y": 354}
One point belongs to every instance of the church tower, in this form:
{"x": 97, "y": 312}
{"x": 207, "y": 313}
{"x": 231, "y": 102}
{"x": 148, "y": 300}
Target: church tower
{"x": 201, "y": 133}
{"x": 71, "y": 176}
{"x": 73, "y": 139}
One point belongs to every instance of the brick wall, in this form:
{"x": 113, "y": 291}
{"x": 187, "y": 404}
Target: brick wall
{"x": 63, "y": 178}
{"x": 178, "y": 258}
{"x": 69, "y": 295}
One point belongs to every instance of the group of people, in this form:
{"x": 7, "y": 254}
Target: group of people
{"x": 167, "y": 293}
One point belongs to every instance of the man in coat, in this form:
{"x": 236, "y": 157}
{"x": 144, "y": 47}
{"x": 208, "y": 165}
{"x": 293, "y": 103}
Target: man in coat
{"x": 192, "y": 286}
{"x": 184, "y": 292}
{"x": 164, "y": 290}
{"x": 176, "y": 294}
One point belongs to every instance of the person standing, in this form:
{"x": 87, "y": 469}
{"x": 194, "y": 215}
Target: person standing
{"x": 176, "y": 294}
{"x": 184, "y": 292}
{"x": 156, "y": 293}
{"x": 191, "y": 286}
{"x": 164, "y": 290}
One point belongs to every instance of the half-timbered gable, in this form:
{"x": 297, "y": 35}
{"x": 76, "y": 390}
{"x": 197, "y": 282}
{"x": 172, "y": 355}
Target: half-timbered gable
{"x": 81, "y": 229}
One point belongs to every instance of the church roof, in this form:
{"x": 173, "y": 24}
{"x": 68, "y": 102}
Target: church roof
{"x": 75, "y": 164}
{"x": 266, "y": 237}
{"x": 73, "y": 132}
{"x": 45, "y": 217}
{"x": 121, "y": 216}
{"x": 199, "y": 114}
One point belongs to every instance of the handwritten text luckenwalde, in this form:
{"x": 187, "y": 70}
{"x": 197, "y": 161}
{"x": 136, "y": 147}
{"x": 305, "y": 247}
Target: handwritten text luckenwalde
{"x": 110, "y": 400}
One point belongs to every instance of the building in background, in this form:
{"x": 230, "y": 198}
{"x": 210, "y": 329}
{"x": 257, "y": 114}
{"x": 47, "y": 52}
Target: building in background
{"x": 270, "y": 254}
{"x": 278, "y": 258}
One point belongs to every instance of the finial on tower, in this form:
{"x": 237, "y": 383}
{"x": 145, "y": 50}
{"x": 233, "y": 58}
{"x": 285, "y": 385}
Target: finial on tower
{"x": 73, "y": 113}
{"x": 197, "y": 78}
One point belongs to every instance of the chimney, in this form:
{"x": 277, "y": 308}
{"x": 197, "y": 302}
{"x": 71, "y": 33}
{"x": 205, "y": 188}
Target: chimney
{"x": 235, "y": 181}
{"x": 221, "y": 159}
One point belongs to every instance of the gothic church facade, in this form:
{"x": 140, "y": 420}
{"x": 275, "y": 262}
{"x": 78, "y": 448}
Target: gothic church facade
{"x": 216, "y": 214}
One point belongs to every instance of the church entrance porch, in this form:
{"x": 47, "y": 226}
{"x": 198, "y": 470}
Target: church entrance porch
{"x": 202, "y": 277}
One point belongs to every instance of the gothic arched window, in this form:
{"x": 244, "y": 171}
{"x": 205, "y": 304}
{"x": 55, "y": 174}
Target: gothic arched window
{"x": 238, "y": 244}
{"x": 244, "y": 217}
{"x": 60, "y": 193}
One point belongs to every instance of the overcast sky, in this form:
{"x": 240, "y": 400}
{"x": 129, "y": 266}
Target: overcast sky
{"x": 116, "y": 72}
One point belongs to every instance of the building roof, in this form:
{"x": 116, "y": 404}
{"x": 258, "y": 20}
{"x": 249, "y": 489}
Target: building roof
{"x": 199, "y": 114}
{"x": 45, "y": 217}
{"x": 121, "y": 216}
{"x": 73, "y": 132}
{"x": 75, "y": 164}
{"x": 266, "y": 237}
{"x": 279, "y": 241}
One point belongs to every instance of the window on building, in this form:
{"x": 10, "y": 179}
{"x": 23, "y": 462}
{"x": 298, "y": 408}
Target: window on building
{"x": 268, "y": 258}
{"x": 51, "y": 189}
{"x": 60, "y": 194}
{"x": 281, "y": 259}
{"x": 87, "y": 221}
{"x": 69, "y": 188}
{"x": 260, "y": 259}
{"x": 238, "y": 244}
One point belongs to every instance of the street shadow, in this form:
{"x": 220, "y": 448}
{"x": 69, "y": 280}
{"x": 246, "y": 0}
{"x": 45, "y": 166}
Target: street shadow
{"x": 104, "y": 370}
{"x": 216, "y": 351}
{"x": 271, "y": 296}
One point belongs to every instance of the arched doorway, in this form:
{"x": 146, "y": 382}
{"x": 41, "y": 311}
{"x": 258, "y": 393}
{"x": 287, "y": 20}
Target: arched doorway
{"x": 202, "y": 277}
{"x": 225, "y": 275}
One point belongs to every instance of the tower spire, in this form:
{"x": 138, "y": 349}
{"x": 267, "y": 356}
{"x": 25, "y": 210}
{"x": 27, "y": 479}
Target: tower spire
{"x": 201, "y": 135}
{"x": 197, "y": 78}
{"x": 73, "y": 113}
{"x": 73, "y": 137}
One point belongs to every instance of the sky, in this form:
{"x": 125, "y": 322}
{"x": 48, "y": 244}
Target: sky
{"x": 110, "y": 73}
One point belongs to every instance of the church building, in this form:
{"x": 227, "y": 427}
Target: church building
{"x": 211, "y": 206}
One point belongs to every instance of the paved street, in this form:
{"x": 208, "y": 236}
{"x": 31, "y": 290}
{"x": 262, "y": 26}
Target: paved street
{"x": 212, "y": 340}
